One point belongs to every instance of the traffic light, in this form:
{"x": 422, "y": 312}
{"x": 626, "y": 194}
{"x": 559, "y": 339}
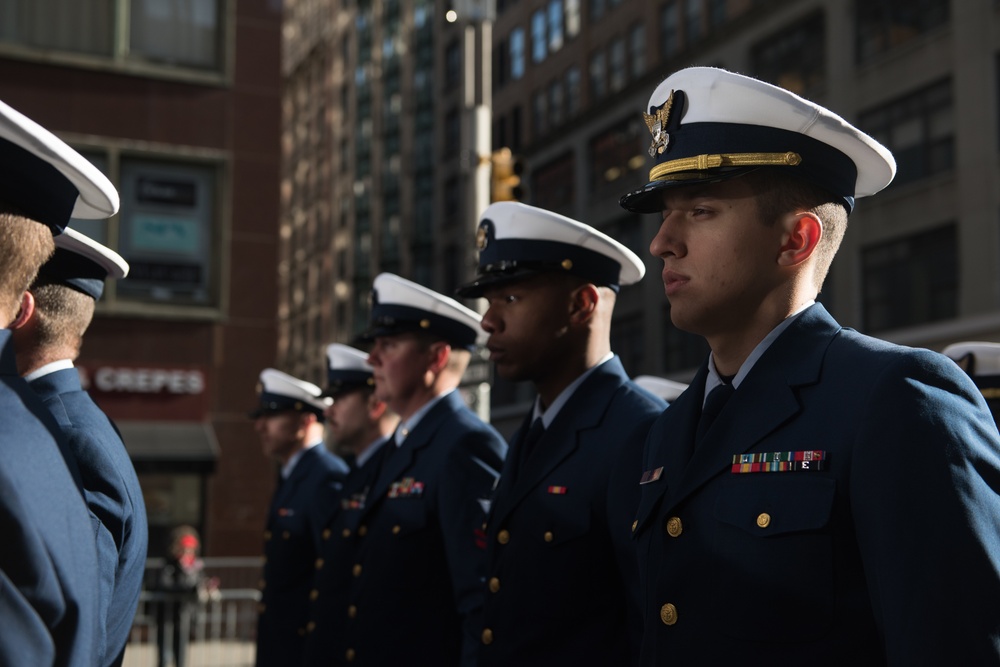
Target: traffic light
{"x": 505, "y": 179}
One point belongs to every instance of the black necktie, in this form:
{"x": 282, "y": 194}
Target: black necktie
{"x": 714, "y": 404}
{"x": 530, "y": 440}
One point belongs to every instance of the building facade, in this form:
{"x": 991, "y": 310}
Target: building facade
{"x": 179, "y": 104}
{"x": 567, "y": 82}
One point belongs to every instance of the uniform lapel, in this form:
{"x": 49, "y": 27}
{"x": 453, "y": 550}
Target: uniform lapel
{"x": 299, "y": 472}
{"x": 401, "y": 459}
{"x": 767, "y": 398}
{"x": 583, "y": 411}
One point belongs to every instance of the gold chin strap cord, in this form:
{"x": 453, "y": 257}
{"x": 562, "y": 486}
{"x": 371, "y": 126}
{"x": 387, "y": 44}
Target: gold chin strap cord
{"x": 662, "y": 172}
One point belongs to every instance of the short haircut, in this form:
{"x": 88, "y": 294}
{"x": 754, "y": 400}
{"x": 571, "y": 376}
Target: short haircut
{"x": 24, "y": 247}
{"x": 62, "y": 315}
{"x": 778, "y": 194}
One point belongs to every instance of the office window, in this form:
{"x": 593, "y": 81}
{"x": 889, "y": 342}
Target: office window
{"x": 670, "y": 43}
{"x": 555, "y": 25}
{"x": 452, "y": 65}
{"x": 557, "y": 103}
{"x": 574, "y": 92}
{"x": 617, "y": 72}
{"x": 168, "y": 231}
{"x": 452, "y": 132}
{"x": 517, "y": 53}
{"x": 175, "y": 34}
{"x": 596, "y": 9}
{"x": 637, "y": 50}
{"x": 572, "y": 18}
{"x": 794, "y": 57}
{"x": 598, "y": 76}
{"x": 919, "y": 129}
{"x": 552, "y": 185}
{"x": 911, "y": 280}
{"x": 615, "y": 153}
{"x": 693, "y": 29}
{"x": 885, "y": 24}
{"x": 539, "y": 45}
{"x": 539, "y": 113}
{"x": 501, "y": 63}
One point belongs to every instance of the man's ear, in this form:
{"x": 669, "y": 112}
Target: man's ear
{"x": 804, "y": 231}
{"x": 440, "y": 352}
{"x": 583, "y": 303}
{"x": 26, "y": 311}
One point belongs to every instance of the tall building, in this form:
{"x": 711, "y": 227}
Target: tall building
{"x": 377, "y": 117}
{"x": 919, "y": 265}
{"x": 179, "y": 104}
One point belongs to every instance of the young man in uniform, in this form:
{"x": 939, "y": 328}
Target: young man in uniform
{"x": 360, "y": 424}
{"x": 816, "y": 496}
{"x": 560, "y": 565}
{"x": 49, "y": 602}
{"x": 414, "y": 547}
{"x": 289, "y": 423}
{"x": 64, "y": 294}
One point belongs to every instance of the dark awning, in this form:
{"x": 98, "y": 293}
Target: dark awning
{"x": 170, "y": 446}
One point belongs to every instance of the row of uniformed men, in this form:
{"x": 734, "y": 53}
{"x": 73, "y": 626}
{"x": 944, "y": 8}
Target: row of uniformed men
{"x": 801, "y": 448}
{"x": 772, "y": 515}
{"x": 71, "y": 510}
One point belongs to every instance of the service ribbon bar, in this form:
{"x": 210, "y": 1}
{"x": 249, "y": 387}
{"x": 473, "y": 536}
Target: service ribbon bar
{"x": 810, "y": 459}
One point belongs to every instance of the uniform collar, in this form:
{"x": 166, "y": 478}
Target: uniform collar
{"x": 549, "y": 414}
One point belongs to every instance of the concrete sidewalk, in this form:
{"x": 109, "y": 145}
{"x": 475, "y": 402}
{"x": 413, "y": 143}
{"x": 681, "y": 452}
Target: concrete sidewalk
{"x": 200, "y": 654}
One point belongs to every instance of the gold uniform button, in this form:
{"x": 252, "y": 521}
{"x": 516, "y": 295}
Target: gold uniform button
{"x": 326, "y": 534}
{"x": 396, "y": 529}
{"x": 267, "y": 534}
{"x": 313, "y": 594}
{"x": 494, "y": 585}
{"x": 547, "y": 536}
{"x": 487, "y": 636}
{"x": 763, "y": 520}
{"x": 674, "y": 527}
{"x": 346, "y": 532}
{"x": 356, "y": 570}
{"x": 352, "y": 611}
{"x": 319, "y": 563}
{"x": 349, "y": 655}
{"x": 285, "y": 535}
{"x": 261, "y": 607}
{"x": 503, "y": 537}
{"x": 362, "y": 531}
{"x": 668, "y": 614}
{"x": 635, "y": 524}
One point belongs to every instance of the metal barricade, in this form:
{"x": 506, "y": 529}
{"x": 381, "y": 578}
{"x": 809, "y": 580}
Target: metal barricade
{"x": 219, "y": 626}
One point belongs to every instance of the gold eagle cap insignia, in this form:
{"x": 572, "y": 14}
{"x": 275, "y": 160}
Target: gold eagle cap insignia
{"x": 657, "y": 124}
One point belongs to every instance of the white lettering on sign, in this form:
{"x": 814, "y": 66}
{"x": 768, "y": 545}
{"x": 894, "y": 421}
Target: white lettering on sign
{"x": 149, "y": 380}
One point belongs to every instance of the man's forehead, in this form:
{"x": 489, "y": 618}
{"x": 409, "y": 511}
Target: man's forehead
{"x": 733, "y": 188}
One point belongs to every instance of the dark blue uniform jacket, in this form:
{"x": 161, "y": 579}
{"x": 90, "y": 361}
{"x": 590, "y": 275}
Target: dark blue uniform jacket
{"x": 561, "y": 567}
{"x": 291, "y": 547}
{"x": 49, "y": 556}
{"x": 885, "y": 552}
{"x": 417, "y": 563}
{"x": 111, "y": 490}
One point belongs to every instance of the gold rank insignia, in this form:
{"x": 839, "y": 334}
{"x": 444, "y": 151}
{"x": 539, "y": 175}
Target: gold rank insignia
{"x": 657, "y": 124}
